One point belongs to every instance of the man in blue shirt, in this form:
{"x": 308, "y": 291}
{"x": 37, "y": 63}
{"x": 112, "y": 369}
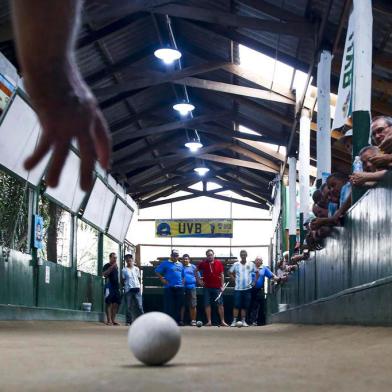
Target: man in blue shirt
{"x": 256, "y": 310}
{"x": 171, "y": 274}
{"x": 190, "y": 272}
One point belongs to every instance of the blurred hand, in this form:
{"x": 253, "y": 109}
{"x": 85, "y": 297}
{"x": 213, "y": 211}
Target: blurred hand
{"x": 358, "y": 178}
{"x": 68, "y": 114}
{"x": 315, "y": 224}
{"x": 386, "y": 145}
{"x": 381, "y": 160}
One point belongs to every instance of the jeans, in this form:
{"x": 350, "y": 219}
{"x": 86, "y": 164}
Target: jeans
{"x": 174, "y": 301}
{"x": 256, "y": 309}
{"x": 134, "y": 303}
{"x": 242, "y": 299}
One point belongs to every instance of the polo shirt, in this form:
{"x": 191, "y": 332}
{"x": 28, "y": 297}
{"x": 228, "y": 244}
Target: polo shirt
{"x": 264, "y": 272}
{"x": 212, "y": 272}
{"x": 243, "y": 274}
{"x": 173, "y": 272}
{"x": 189, "y": 276}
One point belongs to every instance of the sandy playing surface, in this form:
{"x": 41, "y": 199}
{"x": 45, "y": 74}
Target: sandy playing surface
{"x": 74, "y": 356}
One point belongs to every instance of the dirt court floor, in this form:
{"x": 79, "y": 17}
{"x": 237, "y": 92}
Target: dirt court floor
{"x": 74, "y": 356}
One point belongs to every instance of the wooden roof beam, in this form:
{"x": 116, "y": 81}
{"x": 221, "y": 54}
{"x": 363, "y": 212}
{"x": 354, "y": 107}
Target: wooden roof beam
{"x": 237, "y": 162}
{"x": 183, "y": 154}
{"x": 154, "y": 78}
{"x": 229, "y": 199}
{"x": 234, "y": 90}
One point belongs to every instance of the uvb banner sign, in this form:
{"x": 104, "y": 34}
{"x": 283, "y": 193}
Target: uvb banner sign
{"x": 206, "y": 228}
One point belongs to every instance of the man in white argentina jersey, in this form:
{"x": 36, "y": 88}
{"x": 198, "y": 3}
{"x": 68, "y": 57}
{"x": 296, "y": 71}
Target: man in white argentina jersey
{"x": 244, "y": 273}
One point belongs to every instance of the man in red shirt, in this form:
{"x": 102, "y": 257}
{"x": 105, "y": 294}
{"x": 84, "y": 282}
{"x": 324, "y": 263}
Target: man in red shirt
{"x": 212, "y": 280}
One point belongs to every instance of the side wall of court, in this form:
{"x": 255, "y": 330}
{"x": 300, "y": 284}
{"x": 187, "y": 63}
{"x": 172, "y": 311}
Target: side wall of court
{"x": 355, "y": 265}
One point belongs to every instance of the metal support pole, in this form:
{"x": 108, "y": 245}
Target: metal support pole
{"x": 323, "y": 114}
{"x": 292, "y": 204}
{"x": 304, "y": 168}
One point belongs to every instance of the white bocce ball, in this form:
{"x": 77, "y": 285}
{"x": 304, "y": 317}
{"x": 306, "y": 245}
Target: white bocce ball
{"x": 154, "y": 338}
{"x": 239, "y": 324}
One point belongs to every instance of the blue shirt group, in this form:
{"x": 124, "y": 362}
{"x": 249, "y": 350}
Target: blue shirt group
{"x": 173, "y": 272}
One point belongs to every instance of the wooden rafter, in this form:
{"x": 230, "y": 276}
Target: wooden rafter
{"x": 237, "y": 162}
{"x": 234, "y": 89}
{"x": 182, "y": 154}
{"x": 153, "y": 78}
{"x": 188, "y": 123}
{"x": 226, "y": 198}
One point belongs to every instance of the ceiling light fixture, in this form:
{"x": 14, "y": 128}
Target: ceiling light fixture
{"x": 184, "y": 108}
{"x": 168, "y": 55}
{"x": 201, "y": 170}
{"x": 194, "y": 143}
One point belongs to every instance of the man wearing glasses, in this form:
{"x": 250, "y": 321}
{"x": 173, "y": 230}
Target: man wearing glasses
{"x": 112, "y": 289}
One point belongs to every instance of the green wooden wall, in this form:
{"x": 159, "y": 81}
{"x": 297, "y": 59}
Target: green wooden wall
{"x": 22, "y": 283}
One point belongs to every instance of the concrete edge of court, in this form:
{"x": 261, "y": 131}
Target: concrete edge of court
{"x": 28, "y": 313}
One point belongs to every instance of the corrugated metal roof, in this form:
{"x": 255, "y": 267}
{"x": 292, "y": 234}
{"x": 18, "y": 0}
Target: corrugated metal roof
{"x": 126, "y": 44}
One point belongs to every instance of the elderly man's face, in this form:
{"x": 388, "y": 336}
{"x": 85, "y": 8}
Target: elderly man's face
{"x": 259, "y": 262}
{"x": 380, "y": 130}
{"x": 367, "y": 165}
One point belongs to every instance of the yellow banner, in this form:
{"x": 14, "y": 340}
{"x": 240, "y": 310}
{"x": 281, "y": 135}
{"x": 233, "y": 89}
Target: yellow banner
{"x": 207, "y": 228}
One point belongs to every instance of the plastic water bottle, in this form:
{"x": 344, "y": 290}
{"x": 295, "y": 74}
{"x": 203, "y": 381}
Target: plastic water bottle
{"x": 357, "y": 165}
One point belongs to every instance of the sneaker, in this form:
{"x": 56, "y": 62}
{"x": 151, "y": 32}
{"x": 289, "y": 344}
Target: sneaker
{"x": 181, "y": 324}
{"x": 193, "y": 323}
{"x": 244, "y": 323}
{"x": 254, "y": 324}
{"x": 234, "y": 323}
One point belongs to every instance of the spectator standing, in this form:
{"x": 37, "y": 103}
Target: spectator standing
{"x": 133, "y": 296}
{"x": 171, "y": 274}
{"x": 241, "y": 273}
{"x": 257, "y": 303}
{"x": 112, "y": 289}
{"x": 213, "y": 281}
{"x": 190, "y": 289}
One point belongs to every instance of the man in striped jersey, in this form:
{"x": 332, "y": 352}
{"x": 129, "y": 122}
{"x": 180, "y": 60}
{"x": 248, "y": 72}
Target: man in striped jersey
{"x": 242, "y": 273}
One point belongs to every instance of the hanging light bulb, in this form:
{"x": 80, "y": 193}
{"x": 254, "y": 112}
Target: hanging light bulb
{"x": 168, "y": 55}
{"x": 201, "y": 169}
{"x": 194, "y": 142}
{"x": 184, "y": 108}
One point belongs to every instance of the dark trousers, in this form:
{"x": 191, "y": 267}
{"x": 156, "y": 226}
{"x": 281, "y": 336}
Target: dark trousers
{"x": 257, "y": 308}
{"x": 174, "y": 301}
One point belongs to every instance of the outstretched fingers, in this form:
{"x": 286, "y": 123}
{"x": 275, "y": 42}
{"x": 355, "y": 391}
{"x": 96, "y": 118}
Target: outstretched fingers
{"x": 60, "y": 153}
{"x": 102, "y": 141}
{"x": 38, "y": 154}
{"x": 87, "y": 156}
